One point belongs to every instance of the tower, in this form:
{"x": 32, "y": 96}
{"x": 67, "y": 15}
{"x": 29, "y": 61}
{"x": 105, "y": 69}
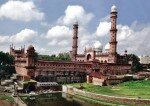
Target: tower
{"x": 75, "y": 41}
{"x": 93, "y": 54}
{"x": 113, "y": 37}
{"x": 31, "y": 56}
{"x": 31, "y": 61}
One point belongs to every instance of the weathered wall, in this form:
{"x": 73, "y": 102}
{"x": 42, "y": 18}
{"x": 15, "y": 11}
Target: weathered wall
{"x": 21, "y": 70}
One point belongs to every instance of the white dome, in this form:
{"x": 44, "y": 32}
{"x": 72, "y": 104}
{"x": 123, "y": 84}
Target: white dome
{"x": 88, "y": 48}
{"x": 107, "y": 47}
{"x": 98, "y": 46}
{"x": 113, "y": 8}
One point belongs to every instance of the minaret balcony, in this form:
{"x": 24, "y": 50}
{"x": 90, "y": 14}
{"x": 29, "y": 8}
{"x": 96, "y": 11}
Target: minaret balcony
{"x": 114, "y": 30}
{"x": 113, "y": 42}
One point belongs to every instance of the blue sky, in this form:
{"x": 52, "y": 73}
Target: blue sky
{"x": 47, "y": 24}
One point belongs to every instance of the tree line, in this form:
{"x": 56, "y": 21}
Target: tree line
{"x": 136, "y": 66}
{"x": 53, "y": 57}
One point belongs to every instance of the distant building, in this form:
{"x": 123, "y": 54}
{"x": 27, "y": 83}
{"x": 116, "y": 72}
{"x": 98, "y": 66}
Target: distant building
{"x": 144, "y": 59}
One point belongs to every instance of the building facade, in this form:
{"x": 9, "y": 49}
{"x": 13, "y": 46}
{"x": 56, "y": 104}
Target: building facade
{"x": 144, "y": 59}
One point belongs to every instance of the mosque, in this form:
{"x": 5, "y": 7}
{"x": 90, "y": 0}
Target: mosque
{"x": 93, "y": 66}
{"x": 110, "y": 55}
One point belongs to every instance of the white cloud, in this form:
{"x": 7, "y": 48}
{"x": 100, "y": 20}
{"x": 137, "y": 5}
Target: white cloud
{"x": 3, "y": 39}
{"x": 135, "y": 41}
{"x": 103, "y": 29}
{"x": 58, "y": 32}
{"x": 63, "y": 43}
{"x": 53, "y": 42}
{"x": 124, "y": 32}
{"x": 59, "y": 38}
{"x": 75, "y": 13}
{"x": 24, "y": 36}
{"x": 19, "y": 10}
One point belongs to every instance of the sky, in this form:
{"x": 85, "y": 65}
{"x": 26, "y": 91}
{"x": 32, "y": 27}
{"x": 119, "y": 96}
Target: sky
{"x": 47, "y": 24}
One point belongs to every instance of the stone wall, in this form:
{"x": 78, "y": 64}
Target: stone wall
{"x": 114, "y": 99}
{"x": 98, "y": 81}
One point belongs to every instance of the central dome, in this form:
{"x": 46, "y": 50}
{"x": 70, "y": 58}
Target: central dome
{"x": 98, "y": 46}
{"x": 88, "y": 48}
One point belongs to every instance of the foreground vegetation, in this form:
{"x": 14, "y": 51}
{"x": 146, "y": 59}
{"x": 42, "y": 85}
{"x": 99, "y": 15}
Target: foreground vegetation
{"x": 7, "y": 98}
{"x": 6, "y": 65}
{"x": 136, "y": 89}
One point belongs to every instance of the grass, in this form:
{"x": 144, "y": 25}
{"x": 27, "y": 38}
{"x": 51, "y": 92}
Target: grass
{"x": 8, "y": 98}
{"x": 135, "y": 89}
{"x": 23, "y": 98}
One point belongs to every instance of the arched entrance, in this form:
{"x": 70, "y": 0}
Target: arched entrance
{"x": 88, "y": 57}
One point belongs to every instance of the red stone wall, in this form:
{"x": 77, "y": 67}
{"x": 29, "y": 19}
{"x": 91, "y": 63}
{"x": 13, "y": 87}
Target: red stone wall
{"x": 21, "y": 70}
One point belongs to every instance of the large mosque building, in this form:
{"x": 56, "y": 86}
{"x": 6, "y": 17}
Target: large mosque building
{"x": 93, "y": 66}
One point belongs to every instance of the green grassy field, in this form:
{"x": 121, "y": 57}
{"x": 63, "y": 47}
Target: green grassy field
{"x": 136, "y": 89}
{"x": 8, "y": 98}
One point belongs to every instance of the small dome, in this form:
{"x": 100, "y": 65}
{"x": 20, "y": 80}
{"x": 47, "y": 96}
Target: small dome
{"x": 98, "y": 46}
{"x": 76, "y": 22}
{"x": 113, "y": 8}
{"x": 30, "y": 47}
{"x": 107, "y": 47}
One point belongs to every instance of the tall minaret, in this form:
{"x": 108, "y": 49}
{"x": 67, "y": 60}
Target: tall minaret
{"x": 113, "y": 33}
{"x": 75, "y": 41}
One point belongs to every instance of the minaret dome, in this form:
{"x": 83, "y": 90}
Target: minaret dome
{"x": 113, "y": 8}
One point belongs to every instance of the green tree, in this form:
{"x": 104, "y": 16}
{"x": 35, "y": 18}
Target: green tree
{"x": 60, "y": 57}
{"x": 36, "y": 56}
{"x": 136, "y": 65}
{"x": 64, "y": 56}
{"x": 6, "y": 65}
